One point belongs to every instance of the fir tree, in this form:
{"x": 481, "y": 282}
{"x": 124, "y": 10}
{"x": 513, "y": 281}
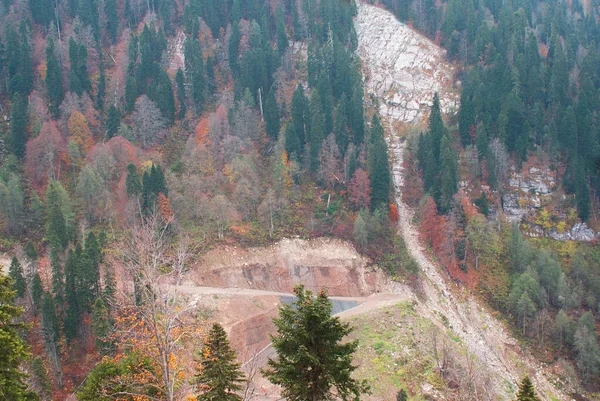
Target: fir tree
{"x": 379, "y": 171}
{"x": 436, "y": 127}
{"x": 54, "y": 83}
{"x": 132, "y": 181}
{"x": 219, "y": 376}
{"x": 101, "y": 325}
{"x": 234, "y": 52}
{"x": 317, "y": 130}
{"x": 18, "y": 125}
{"x": 272, "y": 115}
{"x": 113, "y": 121}
{"x": 16, "y": 274}
{"x": 526, "y": 391}
{"x": 56, "y": 228}
{"x": 101, "y": 93}
{"x": 449, "y": 176}
{"x": 112, "y": 19}
{"x": 13, "y": 350}
{"x": 131, "y": 93}
{"x": 180, "y": 82}
{"x": 300, "y": 116}
{"x": 312, "y": 360}
{"x": 292, "y": 142}
{"x": 37, "y": 291}
{"x": 72, "y": 312}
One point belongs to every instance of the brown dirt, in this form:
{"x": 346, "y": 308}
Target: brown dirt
{"x": 320, "y": 264}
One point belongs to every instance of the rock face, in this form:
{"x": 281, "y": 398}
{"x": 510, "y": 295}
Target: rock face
{"x": 405, "y": 68}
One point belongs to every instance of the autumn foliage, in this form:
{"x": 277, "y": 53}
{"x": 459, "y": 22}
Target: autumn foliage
{"x": 43, "y": 155}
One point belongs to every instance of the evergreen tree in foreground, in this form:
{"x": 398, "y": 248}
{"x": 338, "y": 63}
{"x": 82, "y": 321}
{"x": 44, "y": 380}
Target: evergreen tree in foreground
{"x": 313, "y": 363}
{"x": 526, "y": 391}
{"x": 12, "y": 349}
{"x": 220, "y": 376}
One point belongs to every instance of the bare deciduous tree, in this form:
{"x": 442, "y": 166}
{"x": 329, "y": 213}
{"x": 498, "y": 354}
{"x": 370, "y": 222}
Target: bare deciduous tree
{"x": 149, "y": 126}
{"x": 159, "y": 313}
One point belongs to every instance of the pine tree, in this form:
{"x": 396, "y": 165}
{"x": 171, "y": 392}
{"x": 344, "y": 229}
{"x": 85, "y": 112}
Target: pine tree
{"x": 16, "y": 274}
{"x": 526, "y": 391}
{"x": 18, "y": 125}
{"x": 54, "y": 84}
{"x": 311, "y": 356}
{"x": 13, "y": 350}
{"x": 219, "y": 376}
{"x": 379, "y": 171}
{"x": 113, "y": 121}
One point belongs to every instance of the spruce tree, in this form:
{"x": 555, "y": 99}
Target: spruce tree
{"x": 312, "y": 359}
{"x": 101, "y": 93}
{"x": 180, "y": 82}
{"x": 72, "y": 312}
{"x": 379, "y": 171}
{"x": 449, "y": 175}
{"x": 317, "y": 130}
{"x": 101, "y": 325}
{"x": 37, "y": 291}
{"x": 132, "y": 181}
{"x": 357, "y": 119}
{"x": 112, "y": 19}
{"x": 526, "y": 391}
{"x": 436, "y": 127}
{"x": 18, "y": 125}
{"x": 292, "y": 142}
{"x": 272, "y": 115}
{"x": 16, "y": 274}
{"x": 54, "y": 84}
{"x": 300, "y": 116}
{"x": 219, "y": 376}
{"x": 13, "y": 350}
{"x": 56, "y": 228}
{"x": 131, "y": 93}
{"x": 113, "y": 121}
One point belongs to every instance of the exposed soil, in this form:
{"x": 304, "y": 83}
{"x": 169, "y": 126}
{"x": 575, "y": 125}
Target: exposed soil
{"x": 320, "y": 264}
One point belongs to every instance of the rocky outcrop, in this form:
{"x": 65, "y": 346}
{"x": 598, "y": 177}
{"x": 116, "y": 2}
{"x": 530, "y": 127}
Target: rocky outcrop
{"x": 528, "y": 193}
{"x": 405, "y": 68}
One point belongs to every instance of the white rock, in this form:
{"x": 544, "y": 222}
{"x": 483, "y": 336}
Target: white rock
{"x": 406, "y": 67}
